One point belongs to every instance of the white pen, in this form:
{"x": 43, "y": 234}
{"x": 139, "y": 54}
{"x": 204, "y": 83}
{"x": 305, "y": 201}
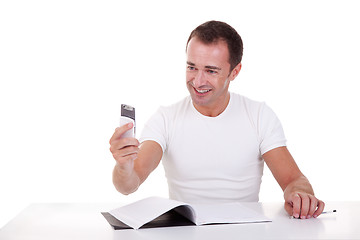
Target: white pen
{"x": 325, "y": 212}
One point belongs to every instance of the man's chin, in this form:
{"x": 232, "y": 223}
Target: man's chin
{"x": 200, "y": 100}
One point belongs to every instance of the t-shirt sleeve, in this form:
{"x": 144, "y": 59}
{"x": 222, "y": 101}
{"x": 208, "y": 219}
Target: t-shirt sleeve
{"x": 155, "y": 129}
{"x": 271, "y": 131}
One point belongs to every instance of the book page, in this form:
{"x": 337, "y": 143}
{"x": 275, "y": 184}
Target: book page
{"x": 226, "y": 213}
{"x": 141, "y": 212}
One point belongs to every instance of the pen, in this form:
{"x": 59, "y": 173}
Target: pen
{"x": 325, "y": 212}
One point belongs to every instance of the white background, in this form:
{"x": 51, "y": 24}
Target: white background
{"x": 66, "y": 66}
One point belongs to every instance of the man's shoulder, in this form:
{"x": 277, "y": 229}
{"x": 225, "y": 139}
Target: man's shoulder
{"x": 246, "y": 102}
{"x": 173, "y": 110}
{"x": 254, "y": 109}
{"x": 181, "y": 104}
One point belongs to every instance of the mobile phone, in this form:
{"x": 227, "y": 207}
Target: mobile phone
{"x": 127, "y": 116}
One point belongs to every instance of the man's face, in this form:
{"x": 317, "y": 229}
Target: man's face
{"x": 208, "y": 74}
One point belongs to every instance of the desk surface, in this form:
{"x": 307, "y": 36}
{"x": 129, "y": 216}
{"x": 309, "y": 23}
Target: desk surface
{"x": 84, "y": 221}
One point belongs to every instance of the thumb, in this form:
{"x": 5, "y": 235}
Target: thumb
{"x": 288, "y": 208}
{"x": 119, "y": 131}
{"x": 122, "y": 129}
{"x": 293, "y": 204}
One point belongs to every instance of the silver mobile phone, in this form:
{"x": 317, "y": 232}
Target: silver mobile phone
{"x": 127, "y": 116}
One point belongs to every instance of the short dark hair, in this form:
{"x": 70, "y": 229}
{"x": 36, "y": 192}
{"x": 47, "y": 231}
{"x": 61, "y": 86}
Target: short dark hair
{"x": 213, "y": 31}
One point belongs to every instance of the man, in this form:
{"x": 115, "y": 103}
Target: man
{"x": 214, "y": 142}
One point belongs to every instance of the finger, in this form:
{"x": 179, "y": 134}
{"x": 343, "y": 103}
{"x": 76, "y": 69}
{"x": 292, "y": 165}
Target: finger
{"x": 320, "y": 209}
{"x": 296, "y": 200}
{"x": 305, "y": 206}
{"x": 313, "y": 205}
{"x": 289, "y": 208}
{"x": 123, "y": 143}
{"x": 120, "y": 131}
{"x": 123, "y": 159}
{"x": 127, "y": 151}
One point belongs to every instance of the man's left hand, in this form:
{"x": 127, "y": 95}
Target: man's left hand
{"x": 303, "y": 205}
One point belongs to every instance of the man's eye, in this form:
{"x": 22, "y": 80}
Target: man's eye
{"x": 212, "y": 71}
{"x": 191, "y": 68}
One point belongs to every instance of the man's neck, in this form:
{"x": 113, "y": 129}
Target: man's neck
{"x": 215, "y": 109}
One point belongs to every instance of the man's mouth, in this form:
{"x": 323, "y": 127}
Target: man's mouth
{"x": 202, "y": 91}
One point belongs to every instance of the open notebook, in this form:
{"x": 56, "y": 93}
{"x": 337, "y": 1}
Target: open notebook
{"x": 163, "y": 212}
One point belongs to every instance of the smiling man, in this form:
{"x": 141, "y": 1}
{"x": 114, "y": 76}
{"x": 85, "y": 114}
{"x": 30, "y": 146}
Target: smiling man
{"x": 213, "y": 143}
{"x": 208, "y": 75}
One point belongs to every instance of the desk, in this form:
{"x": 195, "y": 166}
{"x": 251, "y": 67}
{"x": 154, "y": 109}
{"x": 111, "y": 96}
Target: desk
{"x": 84, "y": 221}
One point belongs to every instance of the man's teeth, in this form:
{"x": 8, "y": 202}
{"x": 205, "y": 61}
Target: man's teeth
{"x": 202, "y": 91}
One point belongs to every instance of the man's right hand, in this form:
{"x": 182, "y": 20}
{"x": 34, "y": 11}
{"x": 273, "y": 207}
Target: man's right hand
{"x": 128, "y": 174}
{"x": 124, "y": 150}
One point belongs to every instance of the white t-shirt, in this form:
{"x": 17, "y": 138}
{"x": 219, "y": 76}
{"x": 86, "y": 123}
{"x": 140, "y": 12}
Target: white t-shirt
{"x": 215, "y": 159}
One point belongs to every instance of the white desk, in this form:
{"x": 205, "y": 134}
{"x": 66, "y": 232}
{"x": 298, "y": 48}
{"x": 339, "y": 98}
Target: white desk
{"x": 84, "y": 221}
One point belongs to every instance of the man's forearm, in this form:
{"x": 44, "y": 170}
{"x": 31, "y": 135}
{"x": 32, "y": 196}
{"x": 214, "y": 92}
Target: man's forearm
{"x": 125, "y": 182}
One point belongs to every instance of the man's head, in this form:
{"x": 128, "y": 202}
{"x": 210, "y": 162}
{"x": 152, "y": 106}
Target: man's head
{"x": 214, "y": 52}
{"x": 214, "y": 31}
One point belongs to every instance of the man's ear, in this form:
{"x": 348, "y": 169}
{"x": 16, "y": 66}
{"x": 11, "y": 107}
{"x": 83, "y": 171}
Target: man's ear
{"x": 235, "y": 71}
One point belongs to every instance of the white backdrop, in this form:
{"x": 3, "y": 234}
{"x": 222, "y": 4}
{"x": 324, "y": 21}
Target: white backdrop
{"x": 66, "y": 66}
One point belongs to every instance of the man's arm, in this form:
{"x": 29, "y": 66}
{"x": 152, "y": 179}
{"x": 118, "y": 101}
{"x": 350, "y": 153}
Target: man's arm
{"x": 300, "y": 200}
{"x": 134, "y": 162}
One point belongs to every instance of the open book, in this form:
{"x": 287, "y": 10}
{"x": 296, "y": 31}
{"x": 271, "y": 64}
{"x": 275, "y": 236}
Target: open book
{"x": 163, "y": 212}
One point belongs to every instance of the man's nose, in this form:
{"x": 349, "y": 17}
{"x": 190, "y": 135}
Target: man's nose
{"x": 200, "y": 79}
